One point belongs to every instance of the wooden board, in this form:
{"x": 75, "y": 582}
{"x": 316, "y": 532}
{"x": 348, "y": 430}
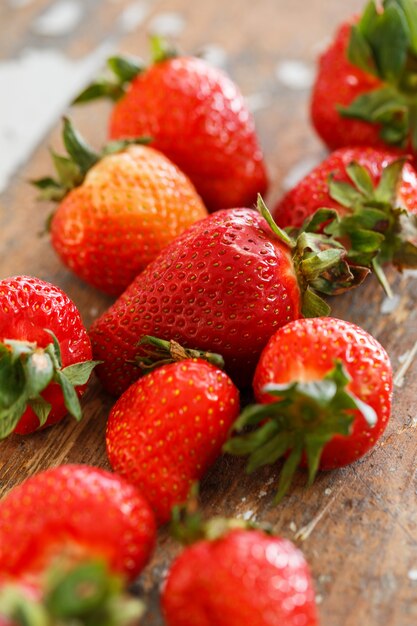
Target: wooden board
{"x": 357, "y": 526}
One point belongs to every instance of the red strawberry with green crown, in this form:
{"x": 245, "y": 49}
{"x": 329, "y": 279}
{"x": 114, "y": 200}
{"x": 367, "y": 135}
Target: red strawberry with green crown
{"x": 230, "y": 574}
{"x": 117, "y": 209}
{"x": 324, "y": 388}
{"x": 365, "y": 92}
{"x": 45, "y": 355}
{"x": 196, "y": 116}
{"x": 167, "y": 429}
{"x": 374, "y": 194}
{"x": 76, "y": 535}
{"x": 226, "y": 284}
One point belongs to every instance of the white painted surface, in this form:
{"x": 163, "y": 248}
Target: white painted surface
{"x": 168, "y": 24}
{"x": 294, "y": 74}
{"x": 389, "y": 305}
{"x": 61, "y": 18}
{"x": 412, "y": 575}
{"x": 406, "y": 361}
{"x": 214, "y": 54}
{"x": 133, "y": 15}
{"x": 36, "y": 88}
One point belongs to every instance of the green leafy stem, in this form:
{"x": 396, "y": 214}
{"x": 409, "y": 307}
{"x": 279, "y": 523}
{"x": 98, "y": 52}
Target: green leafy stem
{"x": 304, "y": 417}
{"x": 26, "y": 370}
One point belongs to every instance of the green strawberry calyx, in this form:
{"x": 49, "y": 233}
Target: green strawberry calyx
{"x": 155, "y": 352}
{"x": 384, "y": 44}
{"x": 87, "y": 594}
{"x": 188, "y": 526}
{"x": 320, "y": 262}
{"x": 122, "y": 70}
{"x": 303, "y": 419}
{"x": 72, "y": 168}
{"x": 374, "y": 228}
{"x": 26, "y": 370}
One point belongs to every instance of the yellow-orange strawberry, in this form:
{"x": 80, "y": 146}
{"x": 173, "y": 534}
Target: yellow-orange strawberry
{"x": 118, "y": 209}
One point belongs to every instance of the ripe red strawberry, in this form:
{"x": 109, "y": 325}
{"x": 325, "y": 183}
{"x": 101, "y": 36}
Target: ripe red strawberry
{"x": 117, "y": 209}
{"x": 242, "y": 577}
{"x": 226, "y": 284}
{"x": 324, "y": 387}
{"x": 45, "y": 355}
{"x": 74, "y": 512}
{"x": 375, "y": 195}
{"x": 196, "y": 116}
{"x": 365, "y": 88}
{"x": 169, "y": 427}
{"x": 70, "y": 540}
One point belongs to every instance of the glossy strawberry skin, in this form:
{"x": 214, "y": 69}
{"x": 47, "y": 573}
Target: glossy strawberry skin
{"x": 245, "y": 577}
{"x": 28, "y": 306}
{"x": 74, "y": 511}
{"x": 312, "y": 192}
{"x": 130, "y": 206}
{"x": 306, "y": 350}
{"x": 339, "y": 82}
{"x": 197, "y": 117}
{"x": 169, "y": 427}
{"x": 225, "y": 285}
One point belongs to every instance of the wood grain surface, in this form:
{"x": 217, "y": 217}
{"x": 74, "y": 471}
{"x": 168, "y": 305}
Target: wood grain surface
{"x": 357, "y": 526}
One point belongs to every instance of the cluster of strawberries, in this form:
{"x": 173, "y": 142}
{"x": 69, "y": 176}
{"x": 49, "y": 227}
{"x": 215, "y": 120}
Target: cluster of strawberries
{"x": 133, "y": 220}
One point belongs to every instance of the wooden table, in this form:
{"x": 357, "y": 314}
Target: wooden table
{"x": 357, "y": 526}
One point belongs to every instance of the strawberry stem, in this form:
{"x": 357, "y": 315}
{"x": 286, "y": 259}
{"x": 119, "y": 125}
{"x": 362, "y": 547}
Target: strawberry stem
{"x": 382, "y": 279}
{"x": 264, "y": 211}
{"x": 122, "y": 70}
{"x": 157, "y": 352}
{"x": 320, "y": 261}
{"x": 187, "y": 525}
{"x": 161, "y": 50}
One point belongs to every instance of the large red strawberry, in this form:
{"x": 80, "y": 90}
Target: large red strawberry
{"x": 375, "y": 196}
{"x": 74, "y": 523}
{"x": 196, "y": 116}
{"x": 169, "y": 427}
{"x": 74, "y": 512}
{"x": 226, "y": 285}
{"x": 233, "y": 576}
{"x": 118, "y": 209}
{"x": 365, "y": 89}
{"x": 324, "y": 387}
{"x": 45, "y": 355}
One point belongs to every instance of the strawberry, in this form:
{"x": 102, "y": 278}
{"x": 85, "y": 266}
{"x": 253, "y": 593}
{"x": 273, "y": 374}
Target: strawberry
{"x": 226, "y": 284}
{"x": 86, "y": 594}
{"x": 232, "y": 576}
{"x": 196, "y": 116}
{"x": 45, "y": 355}
{"x": 117, "y": 209}
{"x": 75, "y": 534}
{"x": 72, "y": 512}
{"x": 375, "y": 196}
{"x": 324, "y": 387}
{"x": 365, "y": 89}
{"x": 169, "y": 427}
